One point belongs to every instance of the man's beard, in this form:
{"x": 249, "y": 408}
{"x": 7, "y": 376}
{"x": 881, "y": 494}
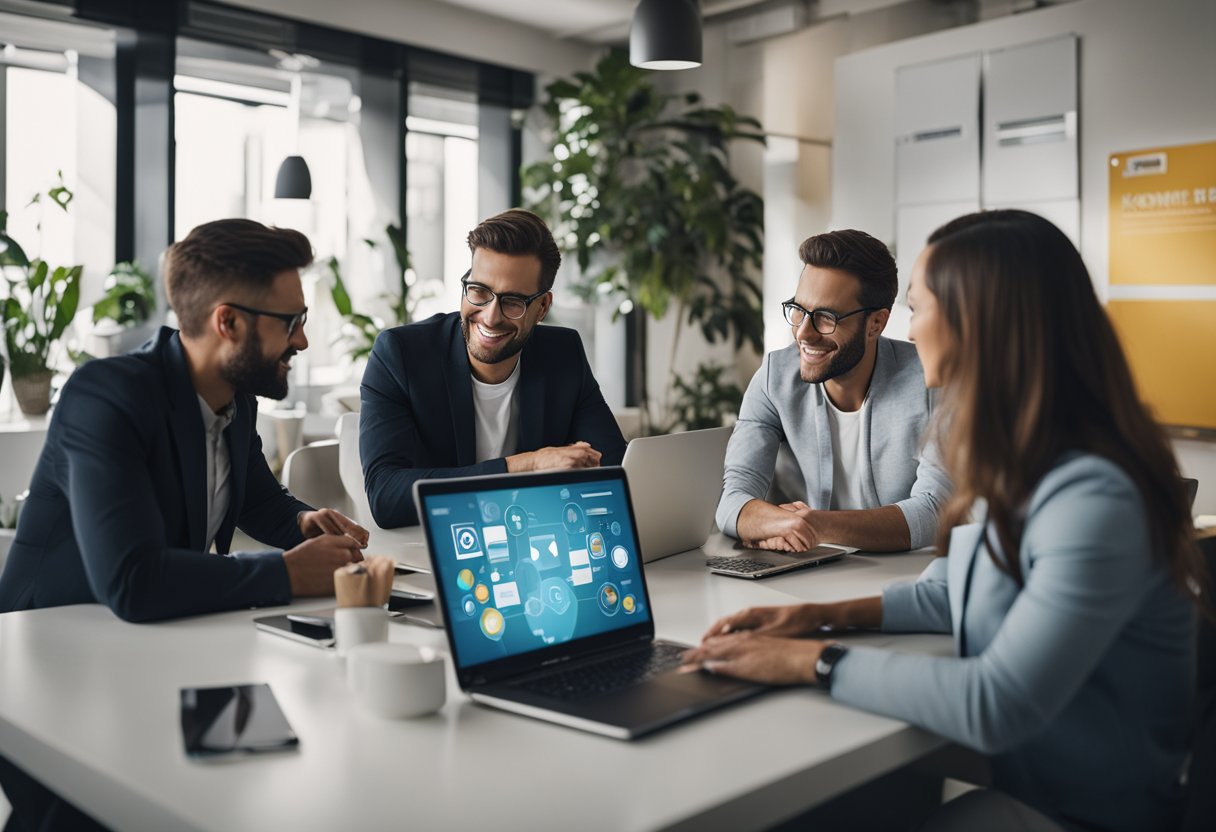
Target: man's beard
{"x": 249, "y": 372}
{"x": 509, "y": 349}
{"x": 847, "y": 356}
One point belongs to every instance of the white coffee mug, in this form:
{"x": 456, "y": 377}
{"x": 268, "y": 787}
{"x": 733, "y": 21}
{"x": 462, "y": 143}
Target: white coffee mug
{"x": 359, "y": 625}
{"x": 397, "y": 680}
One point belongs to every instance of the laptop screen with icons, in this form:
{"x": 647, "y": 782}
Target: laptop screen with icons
{"x": 548, "y": 562}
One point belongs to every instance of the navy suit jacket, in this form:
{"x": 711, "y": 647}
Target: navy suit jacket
{"x": 417, "y": 419}
{"x": 117, "y": 511}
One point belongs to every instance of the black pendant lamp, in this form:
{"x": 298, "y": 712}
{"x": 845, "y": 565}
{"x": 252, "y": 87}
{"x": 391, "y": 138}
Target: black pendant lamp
{"x": 293, "y": 181}
{"x": 666, "y": 34}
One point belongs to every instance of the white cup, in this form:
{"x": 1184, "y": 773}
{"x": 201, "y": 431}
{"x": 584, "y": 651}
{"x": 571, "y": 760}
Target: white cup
{"x": 359, "y": 625}
{"x": 397, "y": 680}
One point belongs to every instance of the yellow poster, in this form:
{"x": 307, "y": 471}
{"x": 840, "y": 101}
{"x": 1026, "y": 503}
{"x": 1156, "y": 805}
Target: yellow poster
{"x": 1163, "y": 216}
{"x": 1170, "y": 348}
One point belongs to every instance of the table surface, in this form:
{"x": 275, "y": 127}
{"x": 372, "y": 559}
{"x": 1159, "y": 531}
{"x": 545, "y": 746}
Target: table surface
{"x": 89, "y": 704}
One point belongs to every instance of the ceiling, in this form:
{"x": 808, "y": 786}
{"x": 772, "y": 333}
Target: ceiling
{"x": 603, "y": 21}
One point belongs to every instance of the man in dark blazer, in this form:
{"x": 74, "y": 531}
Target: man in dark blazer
{"x": 483, "y": 390}
{"x": 151, "y": 457}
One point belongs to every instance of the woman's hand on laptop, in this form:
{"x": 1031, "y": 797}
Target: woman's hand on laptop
{"x": 786, "y": 621}
{"x": 759, "y": 658}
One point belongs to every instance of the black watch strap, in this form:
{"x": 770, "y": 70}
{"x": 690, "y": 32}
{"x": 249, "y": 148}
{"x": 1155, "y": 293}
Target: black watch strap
{"x": 827, "y": 662}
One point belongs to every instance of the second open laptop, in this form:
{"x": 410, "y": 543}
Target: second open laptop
{"x": 676, "y": 481}
{"x": 546, "y": 607}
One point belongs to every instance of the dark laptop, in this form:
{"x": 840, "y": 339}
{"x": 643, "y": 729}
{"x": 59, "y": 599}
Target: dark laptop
{"x": 540, "y": 580}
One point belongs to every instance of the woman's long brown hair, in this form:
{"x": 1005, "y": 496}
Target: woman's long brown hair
{"x": 1034, "y": 370}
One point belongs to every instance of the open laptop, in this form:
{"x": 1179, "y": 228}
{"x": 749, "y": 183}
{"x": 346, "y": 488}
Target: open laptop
{"x": 547, "y": 613}
{"x": 760, "y": 563}
{"x": 676, "y": 482}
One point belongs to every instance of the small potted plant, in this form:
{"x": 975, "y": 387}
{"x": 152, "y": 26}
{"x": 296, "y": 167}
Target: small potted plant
{"x": 38, "y": 309}
{"x": 120, "y": 317}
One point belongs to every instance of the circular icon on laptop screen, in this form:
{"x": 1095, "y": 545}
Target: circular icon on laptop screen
{"x": 620, "y": 557}
{"x": 610, "y": 598}
{"x": 516, "y": 519}
{"x": 492, "y": 624}
{"x": 482, "y": 593}
{"x": 629, "y": 604}
{"x": 468, "y": 605}
{"x": 464, "y": 579}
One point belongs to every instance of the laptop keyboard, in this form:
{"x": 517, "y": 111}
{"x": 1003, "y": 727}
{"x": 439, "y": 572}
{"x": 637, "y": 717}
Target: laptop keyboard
{"x": 606, "y": 676}
{"x": 743, "y": 566}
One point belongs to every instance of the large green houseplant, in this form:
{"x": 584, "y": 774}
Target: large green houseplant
{"x": 40, "y": 304}
{"x": 639, "y": 188}
{"x": 359, "y": 330}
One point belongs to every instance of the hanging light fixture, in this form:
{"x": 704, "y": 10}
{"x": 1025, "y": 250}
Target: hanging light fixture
{"x": 293, "y": 180}
{"x": 666, "y": 34}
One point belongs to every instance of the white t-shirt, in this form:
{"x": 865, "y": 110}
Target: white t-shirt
{"x": 849, "y": 463}
{"x": 497, "y": 415}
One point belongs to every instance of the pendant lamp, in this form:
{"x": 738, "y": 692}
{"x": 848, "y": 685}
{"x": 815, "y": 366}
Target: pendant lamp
{"x": 666, "y": 34}
{"x": 293, "y": 180}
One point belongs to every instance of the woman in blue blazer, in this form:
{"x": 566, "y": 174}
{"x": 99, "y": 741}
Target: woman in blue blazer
{"x": 1070, "y": 601}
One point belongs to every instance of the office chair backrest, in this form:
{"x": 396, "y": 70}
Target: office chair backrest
{"x": 1199, "y": 812}
{"x": 311, "y": 474}
{"x": 350, "y": 467}
{"x": 1192, "y": 489}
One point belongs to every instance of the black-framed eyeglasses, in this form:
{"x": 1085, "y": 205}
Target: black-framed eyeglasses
{"x": 293, "y": 320}
{"x": 824, "y": 320}
{"x": 511, "y": 306}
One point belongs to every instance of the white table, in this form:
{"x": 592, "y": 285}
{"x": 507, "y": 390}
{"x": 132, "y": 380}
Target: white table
{"x": 89, "y": 705}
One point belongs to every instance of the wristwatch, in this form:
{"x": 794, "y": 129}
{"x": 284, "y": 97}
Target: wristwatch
{"x": 826, "y": 662}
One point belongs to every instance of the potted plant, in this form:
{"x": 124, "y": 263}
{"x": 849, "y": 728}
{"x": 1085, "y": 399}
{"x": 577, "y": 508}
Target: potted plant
{"x": 359, "y": 331}
{"x": 121, "y": 315}
{"x": 40, "y": 305}
{"x": 11, "y": 254}
{"x": 639, "y": 187}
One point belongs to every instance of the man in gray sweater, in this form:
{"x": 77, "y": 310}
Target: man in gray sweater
{"x": 838, "y": 418}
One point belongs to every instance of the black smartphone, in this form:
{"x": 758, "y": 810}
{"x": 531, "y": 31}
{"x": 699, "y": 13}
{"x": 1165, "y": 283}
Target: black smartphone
{"x": 234, "y": 719}
{"x": 401, "y": 599}
{"x": 314, "y": 627}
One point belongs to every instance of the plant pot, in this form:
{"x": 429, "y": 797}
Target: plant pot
{"x": 33, "y": 392}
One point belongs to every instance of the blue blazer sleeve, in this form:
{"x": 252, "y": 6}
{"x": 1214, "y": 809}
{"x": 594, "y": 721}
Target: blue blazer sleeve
{"x": 118, "y": 525}
{"x": 1090, "y": 569}
{"x": 390, "y": 444}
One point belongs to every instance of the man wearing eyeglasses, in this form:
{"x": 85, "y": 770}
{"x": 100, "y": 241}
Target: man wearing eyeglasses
{"x": 152, "y": 457}
{"x": 483, "y": 390}
{"x": 837, "y": 418}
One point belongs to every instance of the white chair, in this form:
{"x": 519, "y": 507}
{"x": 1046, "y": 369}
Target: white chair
{"x": 350, "y": 468}
{"x": 311, "y": 474}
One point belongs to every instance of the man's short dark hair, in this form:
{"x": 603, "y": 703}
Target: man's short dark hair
{"x": 518, "y": 231}
{"x": 224, "y": 257}
{"x": 862, "y": 256}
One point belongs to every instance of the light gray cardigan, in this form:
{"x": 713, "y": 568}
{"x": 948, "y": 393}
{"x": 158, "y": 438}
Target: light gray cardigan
{"x": 781, "y": 411}
{"x": 1079, "y": 682}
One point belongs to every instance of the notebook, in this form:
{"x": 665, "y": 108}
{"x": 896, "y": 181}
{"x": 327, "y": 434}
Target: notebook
{"x": 547, "y": 614}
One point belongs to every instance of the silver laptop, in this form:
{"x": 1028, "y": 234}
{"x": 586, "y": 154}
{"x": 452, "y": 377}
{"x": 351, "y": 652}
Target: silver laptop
{"x": 760, "y": 563}
{"x": 676, "y": 482}
{"x": 547, "y": 613}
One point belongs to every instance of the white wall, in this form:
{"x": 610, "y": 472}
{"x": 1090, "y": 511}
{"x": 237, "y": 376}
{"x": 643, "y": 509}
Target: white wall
{"x": 442, "y": 27}
{"x": 1147, "y": 75}
{"x": 1147, "y": 78}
